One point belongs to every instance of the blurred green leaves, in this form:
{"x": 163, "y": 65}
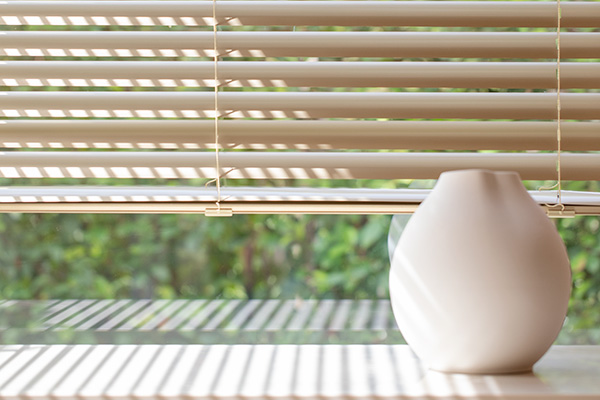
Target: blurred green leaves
{"x": 166, "y": 256}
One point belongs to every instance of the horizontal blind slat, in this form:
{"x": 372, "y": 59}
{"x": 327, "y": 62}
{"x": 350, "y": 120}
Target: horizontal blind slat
{"x": 246, "y": 194}
{"x": 526, "y": 75}
{"x": 303, "y": 44}
{"x": 250, "y": 201}
{"x": 284, "y": 134}
{"x": 286, "y": 165}
{"x": 350, "y": 13}
{"x": 241, "y": 208}
{"x": 302, "y": 104}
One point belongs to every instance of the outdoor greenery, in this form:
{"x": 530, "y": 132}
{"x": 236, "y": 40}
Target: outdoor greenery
{"x": 582, "y": 238}
{"x": 189, "y": 256}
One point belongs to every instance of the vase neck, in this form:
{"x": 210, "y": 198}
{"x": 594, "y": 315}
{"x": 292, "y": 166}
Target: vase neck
{"x": 481, "y": 184}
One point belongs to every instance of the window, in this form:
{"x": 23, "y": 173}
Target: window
{"x": 324, "y": 107}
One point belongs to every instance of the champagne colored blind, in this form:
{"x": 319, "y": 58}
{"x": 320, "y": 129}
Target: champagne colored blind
{"x": 108, "y": 106}
{"x": 306, "y": 13}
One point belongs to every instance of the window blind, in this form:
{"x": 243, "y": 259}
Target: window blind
{"x": 101, "y": 92}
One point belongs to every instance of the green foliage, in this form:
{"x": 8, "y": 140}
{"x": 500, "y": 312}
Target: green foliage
{"x": 167, "y": 256}
{"x": 582, "y": 238}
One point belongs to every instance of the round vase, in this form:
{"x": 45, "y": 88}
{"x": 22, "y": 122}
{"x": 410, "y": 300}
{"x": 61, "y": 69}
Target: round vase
{"x": 480, "y": 279}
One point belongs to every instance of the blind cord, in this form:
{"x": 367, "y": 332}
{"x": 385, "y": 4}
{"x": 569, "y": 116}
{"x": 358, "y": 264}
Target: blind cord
{"x": 558, "y": 185}
{"x": 558, "y": 106}
{"x": 218, "y": 211}
{"x": 217, "y": 179}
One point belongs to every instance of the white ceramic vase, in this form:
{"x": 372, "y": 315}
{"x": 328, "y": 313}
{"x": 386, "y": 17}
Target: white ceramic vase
{"x": 480, "y": 279}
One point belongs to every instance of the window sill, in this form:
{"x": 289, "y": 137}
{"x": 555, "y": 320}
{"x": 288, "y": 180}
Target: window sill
{"x": 276, "y": 372}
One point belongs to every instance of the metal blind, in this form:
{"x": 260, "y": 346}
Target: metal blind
{"x": 123, "y": 89}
